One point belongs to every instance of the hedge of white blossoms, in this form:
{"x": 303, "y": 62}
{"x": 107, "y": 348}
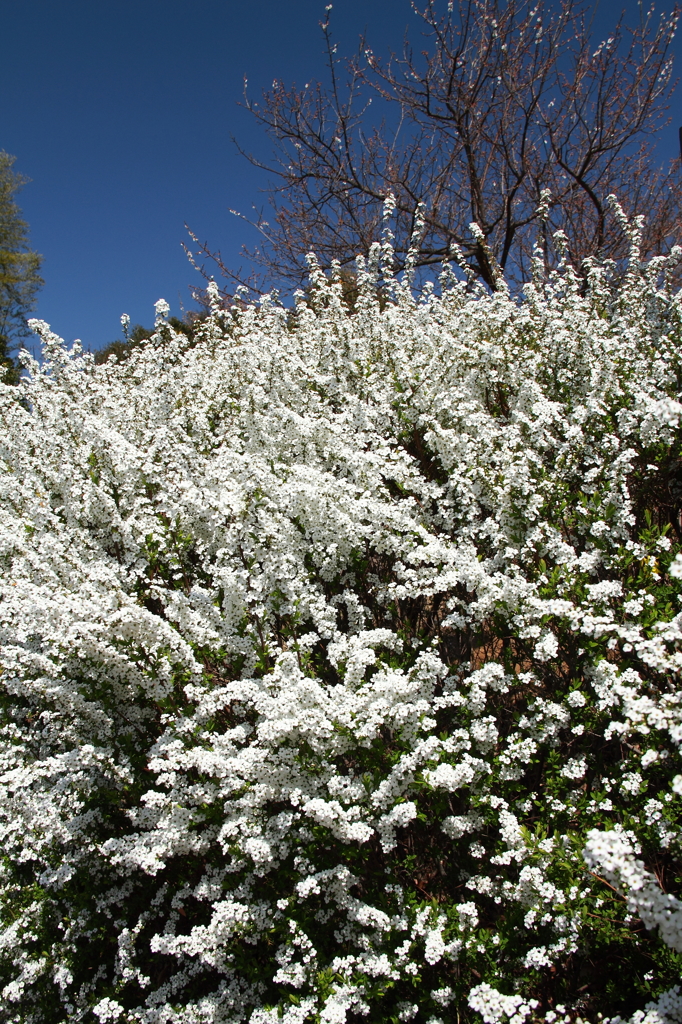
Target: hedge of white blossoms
{"x": 340, "y": 662}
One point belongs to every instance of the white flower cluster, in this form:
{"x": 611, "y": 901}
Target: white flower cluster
{"x": 329, "y": 640}
{"x": 494, "y": 1007}
{"x": 611, "y": 853}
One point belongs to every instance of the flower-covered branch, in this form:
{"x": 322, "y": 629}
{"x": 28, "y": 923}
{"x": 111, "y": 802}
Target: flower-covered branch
{"x": 340, "y": 660}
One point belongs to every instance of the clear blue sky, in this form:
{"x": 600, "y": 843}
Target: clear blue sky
{"x": 122, "y": 112}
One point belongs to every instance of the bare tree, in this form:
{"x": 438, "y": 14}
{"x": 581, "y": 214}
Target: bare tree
{"x": 504, "y": 101}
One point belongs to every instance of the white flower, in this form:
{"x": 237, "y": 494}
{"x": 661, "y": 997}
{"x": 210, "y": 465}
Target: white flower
{"x": 611, "y": 853}
{"x": 546, "y": 647}
{"x": 495, "y": 1007}
{"x": 574, "y": 768}
{"x": 162, "y": 310}
{"x": 107, "y": 1009}
{"x": 327, "y": 638}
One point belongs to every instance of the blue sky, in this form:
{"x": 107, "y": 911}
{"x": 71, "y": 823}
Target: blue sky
{"x": 122, "y": 113}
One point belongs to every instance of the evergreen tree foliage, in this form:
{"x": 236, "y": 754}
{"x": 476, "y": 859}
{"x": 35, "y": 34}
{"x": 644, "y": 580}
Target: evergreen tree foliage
{"x": 19, "y": 269}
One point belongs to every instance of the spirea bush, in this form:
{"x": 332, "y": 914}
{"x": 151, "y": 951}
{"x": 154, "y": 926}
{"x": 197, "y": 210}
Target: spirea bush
{"x": 340, "y": 661}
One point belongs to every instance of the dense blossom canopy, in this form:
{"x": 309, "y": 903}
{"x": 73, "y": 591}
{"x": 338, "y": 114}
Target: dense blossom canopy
{"x": 340, "y": 657}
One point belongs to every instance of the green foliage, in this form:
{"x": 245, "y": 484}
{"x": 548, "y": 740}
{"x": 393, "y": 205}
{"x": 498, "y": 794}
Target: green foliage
{"x": 19, "y": 269}
{"x": 122, "y": 347}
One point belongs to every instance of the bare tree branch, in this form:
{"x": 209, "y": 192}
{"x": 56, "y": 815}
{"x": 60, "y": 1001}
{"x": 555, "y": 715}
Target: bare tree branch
{"x": 506, "y": 99}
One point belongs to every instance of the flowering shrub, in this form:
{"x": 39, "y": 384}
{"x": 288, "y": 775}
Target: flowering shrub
{"x": 340, "y": 657}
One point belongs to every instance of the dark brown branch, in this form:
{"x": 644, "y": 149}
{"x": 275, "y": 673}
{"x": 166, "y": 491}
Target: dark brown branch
{"x": 504, "y": 101}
